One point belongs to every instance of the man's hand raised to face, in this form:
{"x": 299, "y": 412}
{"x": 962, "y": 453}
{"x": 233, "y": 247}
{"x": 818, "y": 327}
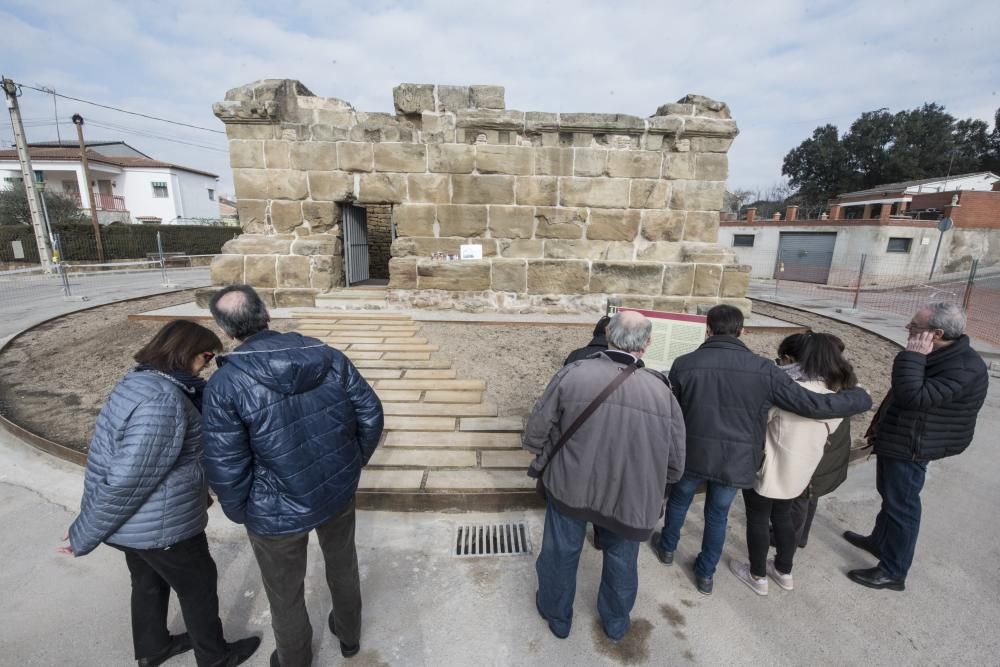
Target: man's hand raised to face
{"x": 921, "y": 342}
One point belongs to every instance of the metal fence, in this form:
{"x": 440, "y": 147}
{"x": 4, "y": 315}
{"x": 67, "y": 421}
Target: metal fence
{"x": 885, "y": 283}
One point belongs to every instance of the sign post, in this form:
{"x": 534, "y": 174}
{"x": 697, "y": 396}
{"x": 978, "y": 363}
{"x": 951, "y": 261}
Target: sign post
{"x": 944, "y": 224}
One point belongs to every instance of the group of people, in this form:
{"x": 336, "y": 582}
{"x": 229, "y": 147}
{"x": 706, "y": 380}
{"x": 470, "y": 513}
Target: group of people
{"x": 620, "y": 446}
{"x": 282, "y": 429}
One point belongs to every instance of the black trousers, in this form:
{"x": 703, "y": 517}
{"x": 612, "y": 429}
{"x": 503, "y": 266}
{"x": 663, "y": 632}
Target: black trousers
{"x": 762, "y": 513}
{"x": 187, "y": 568}
{"x": 803, "y": 511}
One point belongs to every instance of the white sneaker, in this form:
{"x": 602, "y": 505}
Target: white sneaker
{"x": 742, "y": 572}
{"x": 783, "y": 580}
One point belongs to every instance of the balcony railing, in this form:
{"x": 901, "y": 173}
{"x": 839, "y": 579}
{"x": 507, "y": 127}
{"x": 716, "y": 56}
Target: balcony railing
{"x": 104, "y": 202}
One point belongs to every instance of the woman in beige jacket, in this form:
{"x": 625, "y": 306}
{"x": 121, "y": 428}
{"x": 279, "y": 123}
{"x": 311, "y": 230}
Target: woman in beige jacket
{"x": 793, "y": 448}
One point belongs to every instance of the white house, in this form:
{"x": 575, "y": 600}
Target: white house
{"x": 128, "y": 186}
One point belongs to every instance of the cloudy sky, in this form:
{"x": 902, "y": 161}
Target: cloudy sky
{"x": 784, "y": 67}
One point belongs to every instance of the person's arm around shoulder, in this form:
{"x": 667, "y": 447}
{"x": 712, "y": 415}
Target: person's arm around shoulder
{"x": 228, "y": 457}
{"x": 677, "y": 438}
{"x": 367, "y": 410}
{"x": 790, "y": 395}
{"x": 911, "y": 388}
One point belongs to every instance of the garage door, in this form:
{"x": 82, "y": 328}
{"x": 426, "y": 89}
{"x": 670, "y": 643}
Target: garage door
{"x": 805, "y": 256}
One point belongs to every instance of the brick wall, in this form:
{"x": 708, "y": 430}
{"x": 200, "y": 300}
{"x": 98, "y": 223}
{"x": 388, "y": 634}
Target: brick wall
{"x": 379, "y": 239}
{"x": 977, "y": 209}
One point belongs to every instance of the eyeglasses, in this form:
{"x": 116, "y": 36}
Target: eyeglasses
{"x": 208, "y": 356}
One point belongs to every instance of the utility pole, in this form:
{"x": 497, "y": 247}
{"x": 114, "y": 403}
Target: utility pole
{"x": 28, "y": 174}
{"x": 78, "y": 121}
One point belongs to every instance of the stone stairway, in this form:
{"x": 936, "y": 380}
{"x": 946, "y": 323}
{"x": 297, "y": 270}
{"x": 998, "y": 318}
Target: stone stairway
{"x": 354, "y": 298}
{"x": 444, "y": 445}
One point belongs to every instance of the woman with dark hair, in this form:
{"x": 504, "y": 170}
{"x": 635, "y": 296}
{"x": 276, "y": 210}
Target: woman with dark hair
{"x": 793, "y": 448}
{"x": 145, "y": 494}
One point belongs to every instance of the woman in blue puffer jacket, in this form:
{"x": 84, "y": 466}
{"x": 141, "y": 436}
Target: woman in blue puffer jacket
{"x": 145, "y": 494}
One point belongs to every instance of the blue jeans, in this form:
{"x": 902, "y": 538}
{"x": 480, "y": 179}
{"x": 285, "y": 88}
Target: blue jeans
{"x": 717, "y": 502}
{"x": 557, "y": 564}
{"x": 899, "y": 482}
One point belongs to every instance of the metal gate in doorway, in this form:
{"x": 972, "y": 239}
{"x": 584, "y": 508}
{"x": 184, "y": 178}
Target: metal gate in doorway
{"x": 355, "y": 244}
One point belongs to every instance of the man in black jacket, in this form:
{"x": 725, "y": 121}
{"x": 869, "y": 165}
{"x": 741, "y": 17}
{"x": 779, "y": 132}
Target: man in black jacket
{"x": 939, "y": 384}
{"x": 726, "y": 391}
{"x": 598, "y": 343}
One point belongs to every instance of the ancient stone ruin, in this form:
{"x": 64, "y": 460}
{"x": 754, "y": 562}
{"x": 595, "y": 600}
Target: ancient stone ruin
{"x": 568, "y": 208}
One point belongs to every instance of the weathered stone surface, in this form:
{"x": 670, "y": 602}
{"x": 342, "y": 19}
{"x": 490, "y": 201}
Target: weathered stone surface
{"x": 554, "y": 161}
{"x": 662, "y": 225}
{"x": 259, "y": 270}
{"x": 575, "y": 249}
{"x": 327, "y": 271}
{"x": 227, "y": 269}
{"x": 626, "y": 278}
{"x": 454, "y": 275}
{"x": 286, "y": 215}
{"x": 432, "y": 188}
{"x": 678, "y": 279}
{"x": 317, "y": 244}
{"x": 527, "y": 248}
{"x": 451, "y": 158}
{"x": 293, "y": 271}
{"x": 269, "y": 184}
{"x": 663, "y": 251}
{"x": 490, "y": 119}
{"x": 459, "y": 220}
{"x": 510, "y": 275}
{"x": 517, "y": 160}
{"x": 590, "y": 162}
{"x": 642, "y": 302}
{"x": 246, "y": 154}
{"x": 277, "y": 155}
{"x": 698, "y": 195}
{"x": 376, "y": 127}
{"x": 707, "y": 279}
{"x": 253, "y": 215}
{"x": 414, "y": 219}
{"x": 620, "y": 251}
{"x": 648, "y": 193}
{"x": 666, "y": 124}
{"x": 424, "y": 246}
{"x": 487, "y": 97}
{"x": 613, "y": 224}
{"x": 482, "y": 189}
{"x": 596, "y": 122}
{"x": 710, "y": 144}
{"x": 330, "y": 186}
{"x": 704, "y": 253}
{"x": 541, "y": 121}
{"x": 675, "y": 109}
{"x": 437, "y": 127}
{"x": 294, "y": 298}
{"x": 558, "y": 276}
{"x": 634, "y": 164}
{"x": 403, "y": 273}
{"x": 252, "y": 244}
{"x": 453, "y": 98}
{"x": 355, "y": 156}
{"x": 382, "y": 188}
{"x": 702, "y": 226}
{"x": 313, "y": 155}
{"x": 320, "y": 215}
{"x": 401, "y": 157}
{"x": 412, "y": 98}
{"x": 705, "y": 106}
{"x": 678, "y": 166}
{"x": 559, "y": 223}
{"x": 670, "y": 304}
{"x": 537, "y": 190}
{"x": 653, "y": 142}
{"x": 711, "y": 166}
{"x": 329, "y": 132}
{"x": 735, "y": 280}
{"x": 511, "y": 222}
{"x": 595, "y": 192}
{"x": 712, "y": 127}
{"x": 744, "y": 304}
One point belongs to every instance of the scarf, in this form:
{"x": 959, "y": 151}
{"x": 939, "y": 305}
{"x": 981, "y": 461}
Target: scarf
{"x": 193, "y": 385}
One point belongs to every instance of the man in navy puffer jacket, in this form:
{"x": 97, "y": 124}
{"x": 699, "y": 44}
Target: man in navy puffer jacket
{"x": 288, "y": 425}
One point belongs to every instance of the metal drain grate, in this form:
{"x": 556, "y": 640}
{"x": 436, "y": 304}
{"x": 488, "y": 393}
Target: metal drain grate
{"x": 498, "y": 539}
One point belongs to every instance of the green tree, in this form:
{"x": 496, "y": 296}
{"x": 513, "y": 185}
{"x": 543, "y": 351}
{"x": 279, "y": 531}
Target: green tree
{"x": 818, "y": 167}
{"x": 867, "y": 144}
{"x": 14, "y": 207}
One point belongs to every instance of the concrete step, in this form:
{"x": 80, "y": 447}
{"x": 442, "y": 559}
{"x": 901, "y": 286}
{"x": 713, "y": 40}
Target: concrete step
{"x": 390, "y": 396}
{"x": 434, "y": 385}
{"x": 453, "y": 396}
{"x": 453, "y": 440}
{"x": 351, "y": 305}
{"x": 478, "y": 480}
{"x": 395, "y": 363}
{"x": 415, "y": 409}
{"x": 431, "y": 374}
{"x": 499, "y": 424}
{"x": 353, "y": 293}
{"x": 401, "y": 423}
{"x": 424, "y": 458}
{"x": 519, "y": 459}
{"x": 318, "y": 316}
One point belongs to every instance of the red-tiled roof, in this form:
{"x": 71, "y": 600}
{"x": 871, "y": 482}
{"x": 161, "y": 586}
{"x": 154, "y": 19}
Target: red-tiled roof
{"x": 73, "y": 155}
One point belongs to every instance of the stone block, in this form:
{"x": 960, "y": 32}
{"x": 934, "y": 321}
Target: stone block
{"x": 510, "y": 275}
{"x": 412, "y": 98}
{"x": 678, "y": 279}
{"x": 320, "y": 215}
{"x": 662, "y": 251}
{"x": 511, "y": 222}
{"x": 382, "y": 188}
{"x": 491, "y": 119}
{"x": 451, "y": 158}
{"x": 706, "y": 253}
{"x": 269, "y": 184}
{"x": 277, "y": 155}
{"x": 626, "y": 278}
{"x": 670, "y": 304}
{"x": 422, "y": 246}
{"x": 431, "y": 188}
{"x": 537, "y": 190}
{"x": 437, "y": 127}
{"x": 620, "y": 251}
{"x": 541, "y": 121}
{"x": 401, "y": 157}
{"x": 634, "y": 164}
{"x": 610, "y": 224}
{"x": 653, "y": 142}
{"x": 527, "y": 248}
{"x": 558, "y": 276}
{"x": 575, "y": 249}
{"x": 254, "y": 244}
{"x": 294, "y": 298}
{"x": 246, "y": 154}
{"x": 293, "y": 271}
{"x": 698, "y": 195}
{"x": 251, "y": 131}
{"x": 318, "y": 132}
{"x": 330, "y": 186}
{"x": 712, "y": 127}
{"x": 710, "y": 144}
{"x": 227, "y": 269}
{"x": 516, "y": 160}
{"x": 711, "y": 166}
{"x": 286, "y": 215}
{"x": 601, "y": 122}
{"x": 662, "y": 225}
{"x": 745, "y": 305}
{"x": 665, "y": 124}
{"x": 253, "y": 215}
{"x": 560, "y": 223}
{"x": 482, "y": 189}
{"x": 735, "y": 280}
{"x": 487, "y": 97}
{"x": 554, "y": 161}
{"x": 590, "y": 162}
{"x": 327, "y": 271}
{"x": 355, "y": 156}
{"x": 414, "y": 219}
{"x": 707, "y": 279}
{"x": 259, "y": 270}
{"x": 641, "y": 302}
{"x": 702, "y": 226}
{"x": 453, "y": 98}
{"x": 403, "y": 273}
{"x": 594, "y": 192}
{"x": 313, "y": 155}
{"x": 459, "y": 276}
{"x": 677, "y": 166}
{"x": 459, "y": 220}
{"x": 648, "y": 193}
{"x": 316, "y": 244}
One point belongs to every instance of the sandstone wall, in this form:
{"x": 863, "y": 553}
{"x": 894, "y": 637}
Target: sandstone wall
{"x": 568, "y": 207}
{"x": 379, "y": 240}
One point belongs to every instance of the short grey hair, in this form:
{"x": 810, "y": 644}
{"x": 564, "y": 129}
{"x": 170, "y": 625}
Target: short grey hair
{"x": 243, "y": 314}
{"x": 947, "y": 317}
{"x": 629, "y": 331}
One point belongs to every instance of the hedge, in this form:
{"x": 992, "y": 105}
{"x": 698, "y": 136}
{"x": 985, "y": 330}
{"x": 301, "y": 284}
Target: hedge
{"x": 119, "y": 241}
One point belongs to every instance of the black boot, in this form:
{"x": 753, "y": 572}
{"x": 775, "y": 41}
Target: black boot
{"x": 346, "y": 650}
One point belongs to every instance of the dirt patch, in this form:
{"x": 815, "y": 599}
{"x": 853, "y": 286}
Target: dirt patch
{"x": 673, "y": 615}
{"x": 632, "y": 649}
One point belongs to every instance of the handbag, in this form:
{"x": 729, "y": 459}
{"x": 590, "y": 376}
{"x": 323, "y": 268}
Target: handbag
{"x": 578, "y": 422}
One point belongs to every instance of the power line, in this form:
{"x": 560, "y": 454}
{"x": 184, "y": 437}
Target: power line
{"x": 151, "y": 135}
{"x": 131, "y": 113}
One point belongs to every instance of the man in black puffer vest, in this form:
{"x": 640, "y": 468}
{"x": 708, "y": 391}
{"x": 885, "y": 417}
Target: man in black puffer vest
{"x": 939, "y": 384}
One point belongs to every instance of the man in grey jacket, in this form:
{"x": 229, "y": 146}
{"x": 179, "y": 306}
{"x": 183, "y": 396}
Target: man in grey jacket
{"x": 612, "y": 472}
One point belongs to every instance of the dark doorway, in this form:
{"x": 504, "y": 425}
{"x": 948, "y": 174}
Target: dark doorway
{"x": 379, "y": 217}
